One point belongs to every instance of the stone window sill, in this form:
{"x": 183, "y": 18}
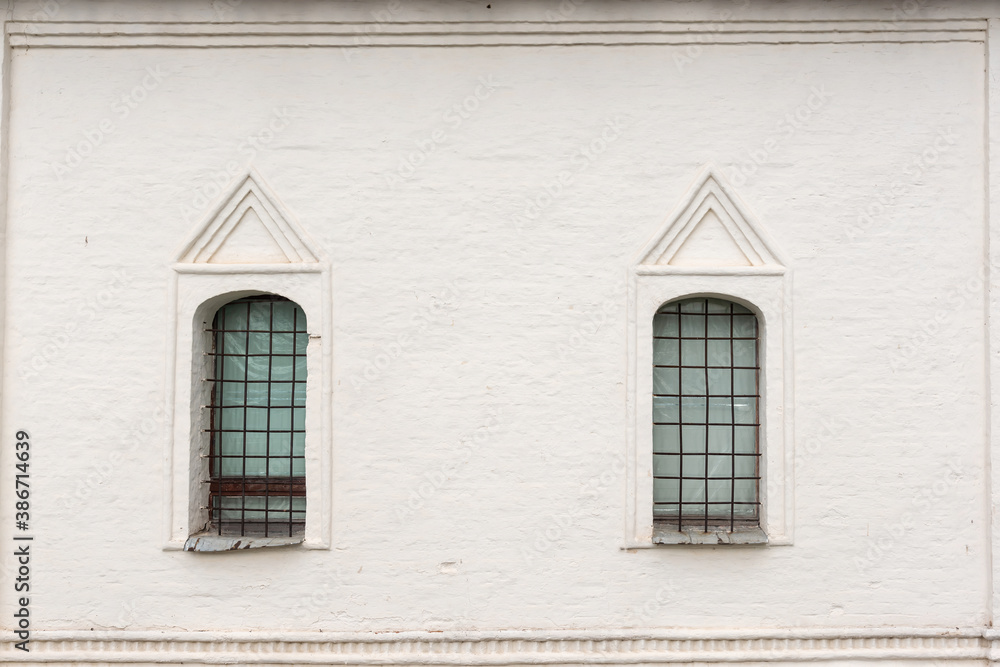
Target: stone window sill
{"x": 206, "y": 542}
{"x": 663, "y": 534}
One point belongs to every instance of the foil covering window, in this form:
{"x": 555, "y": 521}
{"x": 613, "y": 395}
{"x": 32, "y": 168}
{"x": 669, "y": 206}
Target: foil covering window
{"x": 706, "y": 415}
{"x": 257, "y": 451}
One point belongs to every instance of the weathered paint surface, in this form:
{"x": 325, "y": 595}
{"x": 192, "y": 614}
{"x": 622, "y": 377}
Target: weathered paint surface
{"x": 479, "y": 209}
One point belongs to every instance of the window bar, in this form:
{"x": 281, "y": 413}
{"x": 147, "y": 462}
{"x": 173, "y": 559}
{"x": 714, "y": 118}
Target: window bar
{"x": 680, "y": 424}
{"x": 732, "y": 415}
{"x": 246, "y": 385}
{"x": 216, "y": 440}
{"x": 756, "y": 431}
{"x": 267, "y": 442}
{"x": 291, "y": 436}
{"x": 707, "y": 419}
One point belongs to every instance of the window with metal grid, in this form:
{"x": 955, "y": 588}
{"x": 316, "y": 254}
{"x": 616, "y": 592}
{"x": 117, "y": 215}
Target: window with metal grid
{"x": 257, "y": 452}
{"x": 706, "y": 415}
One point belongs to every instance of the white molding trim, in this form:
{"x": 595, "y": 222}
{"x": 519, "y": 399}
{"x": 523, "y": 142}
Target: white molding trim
{"x": 506, "y": 647}
{"x": 196, "y": 289}
{"x": 766, "y": 288}
{"x": 489, "y": 33}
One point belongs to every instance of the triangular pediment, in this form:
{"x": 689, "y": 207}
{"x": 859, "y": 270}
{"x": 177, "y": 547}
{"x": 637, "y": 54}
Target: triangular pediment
{"x": 249, "y": 227}
{"x": 710, "y": 229}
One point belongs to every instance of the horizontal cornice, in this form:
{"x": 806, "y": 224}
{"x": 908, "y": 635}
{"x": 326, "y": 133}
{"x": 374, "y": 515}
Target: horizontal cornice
{"x": 487, "y": 33}
{"x": 503, "y": 647}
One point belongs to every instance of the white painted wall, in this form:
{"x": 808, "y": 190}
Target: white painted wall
{"x": 504, "y": 319}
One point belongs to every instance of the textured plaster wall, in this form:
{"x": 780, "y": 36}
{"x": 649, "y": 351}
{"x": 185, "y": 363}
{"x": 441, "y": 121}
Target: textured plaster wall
{"x": 483, "y": 251}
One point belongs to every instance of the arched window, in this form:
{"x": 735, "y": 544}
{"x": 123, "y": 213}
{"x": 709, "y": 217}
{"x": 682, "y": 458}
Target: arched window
{"x": 706, "y": 415}
{"x": 257, "y": 449}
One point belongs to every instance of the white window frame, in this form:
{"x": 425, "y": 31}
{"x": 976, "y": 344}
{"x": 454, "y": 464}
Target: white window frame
{"x": 765, "y": 288}
{"x": 198, "y": 289}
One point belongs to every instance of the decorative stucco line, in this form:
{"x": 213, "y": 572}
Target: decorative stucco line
{"x": 488, "y": 33}
{"x": 510, "y": 647}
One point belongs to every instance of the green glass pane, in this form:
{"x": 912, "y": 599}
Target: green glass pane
{"x": 281, "y": 343}
{"x": 693, "y": 490}
{"x": 693, "y": 439}
{"x": 260, "y": 315}
{"x": 666, "y": 439}
{"x": 281, "y": 419}
{"x": 719, "y": 381}
{"x": 256, "y": 444}
{"x": 720, "y": 490}
{"x": 299, "y": 419}
{"x": 693, "y": 410}
{"x": 746, "y": 439}
{"x": 666, "y": 409}
{"x": 720, "y": 439}
{"x": 693, "y": 352}
{"x": 665, "y": 490}
{"x": 256, "y": 393}
{"x": 281, "y": 368}
{"x": 299, "y": 444}
{"x": 720, "y": 466}
{"x": 692, "y": 306}
{"x": 692, "y": 465}
{"x": 744, "y": 326}
{"x": 666, "y": 381}
{"x": 281, "y": 444}
{"x": 256, "y": 466}
{"x": 298, "y": 467}
{"x": 693, "y": 326}
{"x": 257, "y": 369}
{"x": 256, "y": 419}
{"x": 745, "y": 410}
{"x": 744, "y": 381}
{"x": 745, "y": 466}
{"x": 720, "y": 410}
{"x": 300, "y": 393}
{"x": 719, "y": 510}
{"x": 666, "y": 352}
{"x": 231, "y": 467}
{"x": 718, "y": 326}
{"x": 666, "y": 325}
{"x": 233, "y": 368}
{"x": 737, "y": 308}
{"x": 718, "y": 306}
{"x": 719, "y": 353}
{"x": 259, "y": 343}
{"x": 744, "y": 353}
{"x": 233, "y": 317}
{"x": 693, "y": 381}
{"x": 232, "y": 418}
{"x": 279, "y": 467}
{"x": 745, "y": 490}
{"x": 281, "y": 394}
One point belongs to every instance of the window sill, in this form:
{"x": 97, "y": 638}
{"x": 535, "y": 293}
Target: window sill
{"x": 670, "y": 535}
{"x": 205, "y": 542}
